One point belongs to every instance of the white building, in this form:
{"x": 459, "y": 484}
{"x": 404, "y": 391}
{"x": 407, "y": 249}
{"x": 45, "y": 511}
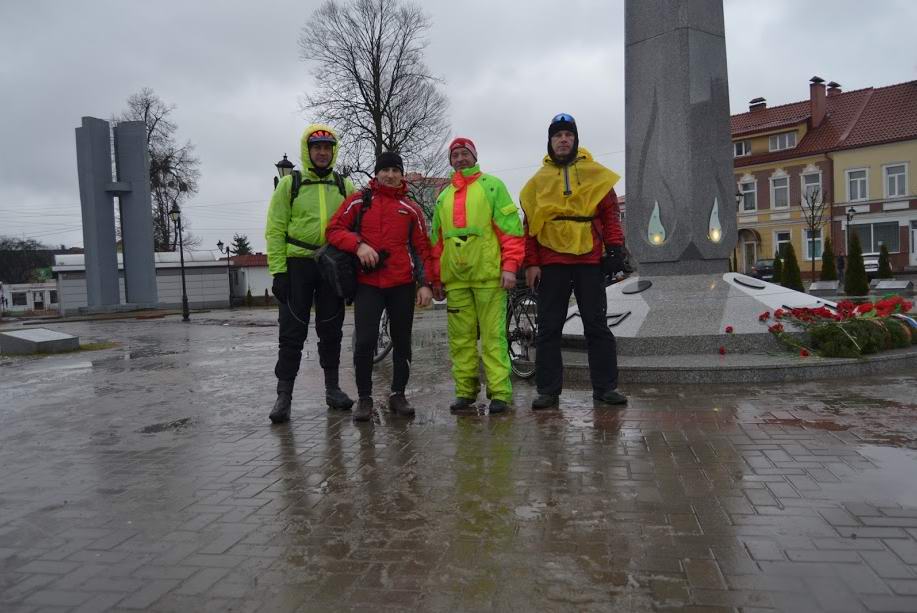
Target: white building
{"x": 206, "y": 279}
{"x": 25, "y": 297}
{"x": 250, "y": 274}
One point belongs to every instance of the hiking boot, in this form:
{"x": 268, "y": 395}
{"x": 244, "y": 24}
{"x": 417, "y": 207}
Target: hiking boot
{"x": 364, "y": 410}
{"x": 337, "y": 399}
{"x": 610, "y": 397}
{"x": 461, "y": 404}
{"x": 281, "y": 412}
{"x": 545, "y": 401}
{"x": 398, "y": 405}
{"x": 498, "y": 406}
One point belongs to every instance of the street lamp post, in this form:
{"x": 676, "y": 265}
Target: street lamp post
{"x": 284, "y": 168}
{"x": 228, "y": 253}
{"x": 175, "y": 214}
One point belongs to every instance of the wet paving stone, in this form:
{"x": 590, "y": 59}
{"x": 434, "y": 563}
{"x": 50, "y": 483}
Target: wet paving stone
{"x": 147, "y": 477}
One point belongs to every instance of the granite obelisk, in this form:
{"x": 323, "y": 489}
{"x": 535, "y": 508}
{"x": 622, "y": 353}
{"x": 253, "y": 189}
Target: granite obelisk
{"x": 681, "y": 213}
{"x": 680, "y": 189}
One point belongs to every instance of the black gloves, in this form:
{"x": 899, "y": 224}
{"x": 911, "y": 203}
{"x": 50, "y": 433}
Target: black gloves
{"x": 281, "y": 287}
{"x": 613, "y": 260}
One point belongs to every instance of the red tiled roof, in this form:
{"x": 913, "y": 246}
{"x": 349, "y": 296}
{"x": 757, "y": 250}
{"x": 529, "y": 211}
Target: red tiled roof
{"x": 853, "y": 119}
{"x": 248, "y": 261}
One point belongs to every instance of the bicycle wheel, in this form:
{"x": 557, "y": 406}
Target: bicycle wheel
{"x": 520, "y": 334}
{"x": 384, "y": 344}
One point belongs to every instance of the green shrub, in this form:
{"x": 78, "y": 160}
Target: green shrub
{"x": 778, "y": 268}
{"x": 855, "y": 281}
{"x": 792, "y": 278}
{"x": 900, "y": 334}
{"x": 828, "y": 267}
{"x": 870, "y": 334}
{"x": 831, "y": 341}
{"x": 885, "y": 267}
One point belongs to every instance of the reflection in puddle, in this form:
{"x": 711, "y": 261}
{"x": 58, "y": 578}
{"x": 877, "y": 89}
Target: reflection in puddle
{"x": 890, "y": 483}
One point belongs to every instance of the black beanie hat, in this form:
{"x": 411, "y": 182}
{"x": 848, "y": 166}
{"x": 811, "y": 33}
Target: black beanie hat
{"x": 563, "y": 121}
{"x": 389, "y": 159}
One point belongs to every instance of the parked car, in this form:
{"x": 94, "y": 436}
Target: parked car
{"x": 763, "y": 269}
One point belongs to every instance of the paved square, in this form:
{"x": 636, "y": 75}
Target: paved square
{"x": 147, "y": 477}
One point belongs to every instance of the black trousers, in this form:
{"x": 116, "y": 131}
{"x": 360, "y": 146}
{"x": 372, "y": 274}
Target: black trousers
{"x": 587, "y": 283}
{"x": 306, "y": 288}
{"x": 367, "y": 312}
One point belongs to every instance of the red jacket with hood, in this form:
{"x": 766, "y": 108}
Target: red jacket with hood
{"x": 391, "y": 223}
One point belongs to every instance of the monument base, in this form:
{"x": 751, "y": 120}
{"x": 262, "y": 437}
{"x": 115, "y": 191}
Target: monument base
{"x": 658, "y": 315}
{"x": 37, "y": 340}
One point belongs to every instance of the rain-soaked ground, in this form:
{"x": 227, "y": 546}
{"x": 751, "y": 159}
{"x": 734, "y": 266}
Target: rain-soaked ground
{"x": 147, "y": 476}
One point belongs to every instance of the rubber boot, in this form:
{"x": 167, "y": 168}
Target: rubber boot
{"x": 498, "y": 406}
{"x": 364, "y": 410}
{"x": 281, "y": 411}
{"x": 610, "y": 397}
{"x": 545, "y": 401}
{"x": 462, "y": 404}
{"x": 337, "y": 399}
{"x": 398, "y": 405}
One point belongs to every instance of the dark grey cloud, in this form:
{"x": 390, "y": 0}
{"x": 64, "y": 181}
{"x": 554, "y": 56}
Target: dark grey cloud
{"x": 232, "y": 69}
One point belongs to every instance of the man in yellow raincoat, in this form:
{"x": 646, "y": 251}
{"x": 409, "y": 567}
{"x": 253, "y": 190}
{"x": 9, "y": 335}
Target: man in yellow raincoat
{"x": 296, "y": 219}
{"x": 571, "y": 214}
{"x": 478, "y": 245}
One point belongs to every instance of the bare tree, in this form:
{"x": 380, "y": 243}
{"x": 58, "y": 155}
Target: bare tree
{"x": 173, "y": 167}
{"x": 372, "y": 83}
{"x": 815, "y": 212}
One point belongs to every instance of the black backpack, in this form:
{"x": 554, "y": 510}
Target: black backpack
{"x": 339, "y": 268}
{"x": 336, "y": 179}
{"x": 298, "y": 182}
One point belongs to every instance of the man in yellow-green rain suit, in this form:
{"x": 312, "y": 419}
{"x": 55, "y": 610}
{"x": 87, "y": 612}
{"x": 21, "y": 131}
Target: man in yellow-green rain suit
{"x": 478, "y": 245}
{"x": 297, "y": 216}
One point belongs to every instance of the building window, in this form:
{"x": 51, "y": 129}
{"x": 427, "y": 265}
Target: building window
{"x": 780, "y": 192}
{"x": 895, "y": 181}
{"x": 779, "y": 142}
{"x": 749, "y": 191}
{"x": 742, "y": 148}
{"x": 811, "y": 184}
{"x": 813, "y": 244}
{"x": 20, "y": 299}
{"x": 782, "y": 241}
{"x": 857, "y": 188}
{"x": 52, "y": 296}
{"x": 874, "y": 235}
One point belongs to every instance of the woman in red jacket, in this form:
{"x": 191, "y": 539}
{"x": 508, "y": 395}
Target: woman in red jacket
{"x": 392, "y": 225}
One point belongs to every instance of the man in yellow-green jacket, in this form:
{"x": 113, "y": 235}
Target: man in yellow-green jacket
{"x": 296, "y": 219}
{"x": 478, "y": 245}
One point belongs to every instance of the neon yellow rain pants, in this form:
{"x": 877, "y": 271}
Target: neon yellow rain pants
{"x": 470, "y": 309}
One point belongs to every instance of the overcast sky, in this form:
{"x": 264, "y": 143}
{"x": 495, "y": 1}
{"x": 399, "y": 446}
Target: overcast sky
{"x": 233, "y": 71}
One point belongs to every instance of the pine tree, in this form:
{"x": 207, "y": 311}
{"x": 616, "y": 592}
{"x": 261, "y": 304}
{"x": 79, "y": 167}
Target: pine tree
{"x": 240, "y": 245}
{"x": 855, "y": 281}
{"x": 828, "y": 268}
{"x": 778, "y": 268}
{"x": 885, "y": 267}
{"x": 792, "y": 277}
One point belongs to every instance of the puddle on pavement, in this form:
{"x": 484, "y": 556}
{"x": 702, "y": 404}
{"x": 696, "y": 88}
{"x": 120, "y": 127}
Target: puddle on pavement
{"x": 890, "y": 483}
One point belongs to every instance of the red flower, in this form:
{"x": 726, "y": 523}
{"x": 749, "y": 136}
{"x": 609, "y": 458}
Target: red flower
{"x": 722, "y": 350}
{"x": 804, "y": 352}
{"x": 764, "y": 316}
{"x": 776, "y": 328}
{"x": 728, "y": 329}
{"x": 866, "y": 307}
{"x": 779, "y": 313}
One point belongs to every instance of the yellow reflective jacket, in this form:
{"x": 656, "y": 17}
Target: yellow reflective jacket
{"x": 304, "y": 220}
{"x": 560, "y": 202}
